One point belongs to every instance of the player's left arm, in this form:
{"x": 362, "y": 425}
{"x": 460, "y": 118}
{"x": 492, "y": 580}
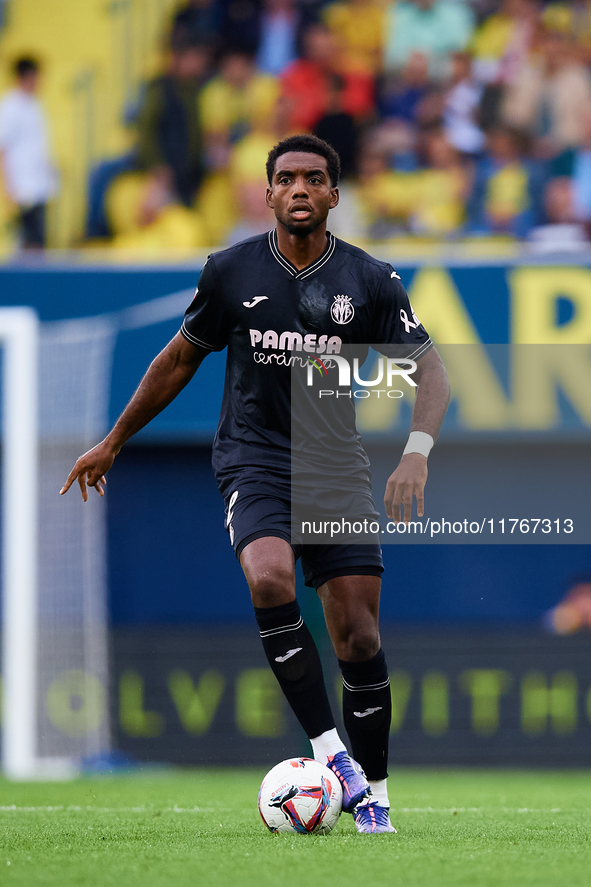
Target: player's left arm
{"x": 410, "y": 477}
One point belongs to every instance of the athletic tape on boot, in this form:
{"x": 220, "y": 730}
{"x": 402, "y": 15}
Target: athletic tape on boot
{"x": 419, "y": 442}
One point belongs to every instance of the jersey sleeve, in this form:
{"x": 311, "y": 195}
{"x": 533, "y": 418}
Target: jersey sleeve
{"x": 205, "y": 319}
{"x": 396, "y": 330}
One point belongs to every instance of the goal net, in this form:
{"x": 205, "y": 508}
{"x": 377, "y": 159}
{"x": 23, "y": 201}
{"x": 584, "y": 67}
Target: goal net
{"x": 54, "y": 630}
{"x": 56, "y": 383}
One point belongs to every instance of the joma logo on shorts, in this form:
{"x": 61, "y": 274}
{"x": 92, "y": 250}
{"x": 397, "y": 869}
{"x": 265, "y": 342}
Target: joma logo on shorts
{"x": 288, "y": 341}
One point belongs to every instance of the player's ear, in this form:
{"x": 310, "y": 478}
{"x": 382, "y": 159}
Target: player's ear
{"x": 334, "y": 198}
{"x": 269, "y": 199}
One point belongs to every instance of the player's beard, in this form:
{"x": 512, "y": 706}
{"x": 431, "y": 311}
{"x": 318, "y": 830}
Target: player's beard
{"x": 304, "y": 230}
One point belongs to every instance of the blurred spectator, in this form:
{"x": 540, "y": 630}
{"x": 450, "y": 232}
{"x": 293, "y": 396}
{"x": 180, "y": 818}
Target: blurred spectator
{"x": 241, "y": 26}
{"x": 169, "y": 145}
{"x": 279, "y": 28}
{"x": 430, "y": 110}
{"x": 255, "y": 216}
{"x": 387, "y": 197}
{"x": 270, "y": 30}
{"x": 581, "y": 178}
{"x": 28, "y": 176}
{"x": 558, "y": 201}
{"x": 507, "y": 188}
{"x": 400, "y": 95}
{"x": 446, "y": 149}
{"x": 438, "y": 208}
{"x": 504, "y": 40}
{"x": 397, "y": 140}
{"x": 170, "y": 139}
{"x": 433, "y": 27}
{"x": 461, "y": 106}
{"x": 99, "y": 180}
{"x": 549, "y": 97}
{"x": 562, "y": 231}
{"x": 198, "y": 22}
{"x": 144, "y": 217}
{"x": 500, "y": 47}
{"x": 306, "y": 83}
{"x": 338, "y": 128}
{"x": 233, "y": 102}
{"x": 574, "y": 20}
{"x": 573, "y": 613}
{"x": 358, "y": 27}
{"x": 249, "y": 184}
{"x": 483, "y": 9}
{"x": 246, "y": 175}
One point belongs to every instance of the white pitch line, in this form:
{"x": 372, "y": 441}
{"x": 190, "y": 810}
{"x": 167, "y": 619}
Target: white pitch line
{"x": 72, "y": 808}
{"x": 478, "y": 810}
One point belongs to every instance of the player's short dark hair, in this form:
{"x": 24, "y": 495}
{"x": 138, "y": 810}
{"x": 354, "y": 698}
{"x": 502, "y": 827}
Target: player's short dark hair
{"x": 25, "y": 65}
{"x": 306, "y": 144}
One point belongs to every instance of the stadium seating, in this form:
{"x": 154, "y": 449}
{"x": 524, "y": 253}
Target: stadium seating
{"x": 95, "y": 55}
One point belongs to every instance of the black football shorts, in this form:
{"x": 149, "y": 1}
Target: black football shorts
{"x": 259, "y": 505}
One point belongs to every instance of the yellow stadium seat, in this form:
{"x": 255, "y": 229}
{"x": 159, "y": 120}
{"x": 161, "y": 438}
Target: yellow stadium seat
{"x": 249, "y": 156}
{"x": 123, "y": 201}
{"x": 95, "y": 55}
{"x": 176, "y": 229}
{"x": 216, "y": 204}
{"x": 7, "y": 235}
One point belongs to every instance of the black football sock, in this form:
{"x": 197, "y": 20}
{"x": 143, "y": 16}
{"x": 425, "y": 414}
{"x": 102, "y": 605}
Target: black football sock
{"x": 367, "y": 712}
{"x": 292, "y": 654}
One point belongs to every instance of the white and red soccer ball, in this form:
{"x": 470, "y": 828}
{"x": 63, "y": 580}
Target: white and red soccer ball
{"x": 300, "y": 795}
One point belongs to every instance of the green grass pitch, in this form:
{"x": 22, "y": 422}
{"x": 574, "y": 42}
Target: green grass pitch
{"x": 202, "y": 827}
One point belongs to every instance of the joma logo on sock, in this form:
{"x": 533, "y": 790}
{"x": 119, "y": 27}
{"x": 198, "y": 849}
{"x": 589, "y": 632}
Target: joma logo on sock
{"x": 288, "y": 655}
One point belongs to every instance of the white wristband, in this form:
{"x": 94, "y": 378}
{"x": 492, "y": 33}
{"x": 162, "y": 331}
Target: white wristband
{"x": 419, "y": 442}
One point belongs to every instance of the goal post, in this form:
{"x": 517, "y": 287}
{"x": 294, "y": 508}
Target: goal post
{"x": 54, "y": 630}
{"x": 19, "y": 336}
{"x": 55, "y": 670}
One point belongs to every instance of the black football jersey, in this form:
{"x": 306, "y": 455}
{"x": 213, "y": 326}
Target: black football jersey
{"x": 272, "y": 317}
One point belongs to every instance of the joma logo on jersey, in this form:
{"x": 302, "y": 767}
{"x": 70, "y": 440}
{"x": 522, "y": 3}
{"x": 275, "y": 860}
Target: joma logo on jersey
{"x": 288, "y": 341}
{"x": 342, "y": 310}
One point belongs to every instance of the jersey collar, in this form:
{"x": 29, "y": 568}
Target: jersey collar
{"x": 311, "y": 269}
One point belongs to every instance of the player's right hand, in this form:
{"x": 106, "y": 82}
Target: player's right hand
{"x": 90, "y": 470}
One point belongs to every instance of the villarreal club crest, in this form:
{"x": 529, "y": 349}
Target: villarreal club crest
{"x": 342, "y": 310}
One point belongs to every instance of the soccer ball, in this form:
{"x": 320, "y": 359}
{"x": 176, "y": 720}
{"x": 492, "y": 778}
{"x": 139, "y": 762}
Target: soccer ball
{"x": 300, "y": 795}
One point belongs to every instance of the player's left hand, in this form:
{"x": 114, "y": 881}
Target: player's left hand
{"x": 407, "y": 481}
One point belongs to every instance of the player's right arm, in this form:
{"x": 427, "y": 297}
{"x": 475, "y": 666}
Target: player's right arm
{"x": 166, "y": 376}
